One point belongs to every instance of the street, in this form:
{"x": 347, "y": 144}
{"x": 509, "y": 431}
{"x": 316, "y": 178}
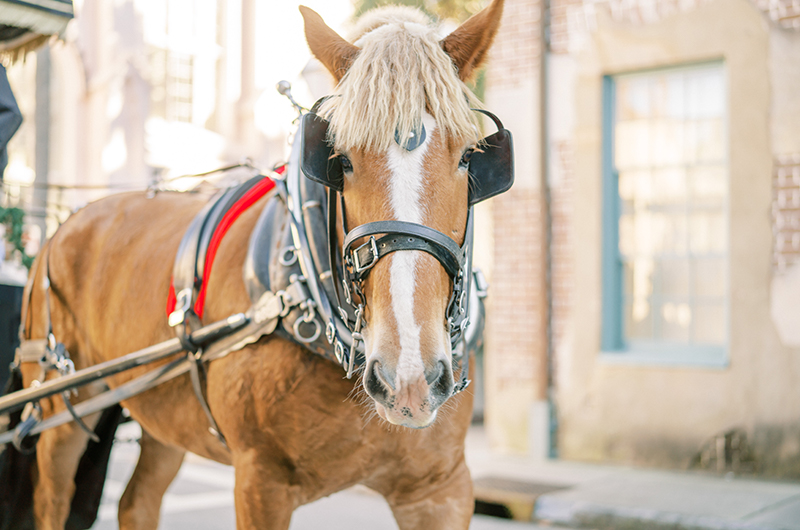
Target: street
{"x": 201, "y": 498}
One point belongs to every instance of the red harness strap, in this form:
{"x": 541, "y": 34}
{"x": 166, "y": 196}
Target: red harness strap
{"x": 238, "y": 208}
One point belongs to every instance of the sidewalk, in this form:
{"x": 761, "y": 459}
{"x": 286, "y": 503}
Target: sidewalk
{"x": 609, "y": 497}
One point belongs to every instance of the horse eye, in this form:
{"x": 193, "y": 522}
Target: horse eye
{"x": 347, "y": 166}
{"x": 464, "y": 162}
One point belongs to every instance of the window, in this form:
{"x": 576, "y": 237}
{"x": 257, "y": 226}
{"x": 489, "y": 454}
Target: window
{"x": 665, "y": 194}
{"x": 172, "y": 76}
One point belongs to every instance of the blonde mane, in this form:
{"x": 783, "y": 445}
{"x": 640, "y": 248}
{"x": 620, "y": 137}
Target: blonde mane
{"x": 400, "y": 73}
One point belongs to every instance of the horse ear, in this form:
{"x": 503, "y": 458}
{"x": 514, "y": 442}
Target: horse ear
{"x": 468, "y": 44}
{"x": 332, "y": 50}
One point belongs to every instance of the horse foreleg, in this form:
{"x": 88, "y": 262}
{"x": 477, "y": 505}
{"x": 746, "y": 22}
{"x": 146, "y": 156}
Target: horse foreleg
{"x": 58, "y": 453}
{"x": 260, "y": 502}
{"x": 140, "y": 505}
{"x": 439, "y": 506}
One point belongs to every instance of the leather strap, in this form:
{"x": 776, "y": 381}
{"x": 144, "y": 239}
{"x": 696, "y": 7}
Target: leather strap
{"x": 401, "y": 235}
{"x": 198, "y": 375}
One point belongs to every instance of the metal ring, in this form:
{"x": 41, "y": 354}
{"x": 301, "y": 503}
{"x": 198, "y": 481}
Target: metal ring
{"x": 330, "y": 332}
{"x": 287, "y": 262}
{"x": 338, "y": 351}
{"x": 314, "y": 336}
{"x": 462, "y": 299}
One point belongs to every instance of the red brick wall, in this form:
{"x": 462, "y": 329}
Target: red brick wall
{"x": 515, "y": 52}
{"x": 517, "y": 303}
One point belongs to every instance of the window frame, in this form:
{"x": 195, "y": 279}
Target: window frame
{"x": 615, "y": 348}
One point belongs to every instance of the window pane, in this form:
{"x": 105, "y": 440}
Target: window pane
{"x": 705, "y": 96}
{"x": 632, "y": 144}
{"x": 667, "y": 234}
{"x": 666, "y": 142}
{"x": 674, "y": 320}
{"x": 638, "y": 278}
{"x": 710, "y": 142}
{"x": 673, "y": 278}
{"x": 708, "y": 186}
{"x": 669, "y": 186}
{"x": 707, "y": 233}
{"x": 633, "y": 98}
{"x": 638, "y": 320}
{"x": 631, "y": 185}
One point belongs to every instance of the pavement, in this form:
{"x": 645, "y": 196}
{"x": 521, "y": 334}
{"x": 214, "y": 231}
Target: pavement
{"x": 621, "y": 498}
{"x": 547, "y": 495}
{"x": 201, "y": 498}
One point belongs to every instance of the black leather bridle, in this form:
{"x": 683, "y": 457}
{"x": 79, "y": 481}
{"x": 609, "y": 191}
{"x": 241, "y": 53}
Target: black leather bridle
{"x": 492, "y": 171}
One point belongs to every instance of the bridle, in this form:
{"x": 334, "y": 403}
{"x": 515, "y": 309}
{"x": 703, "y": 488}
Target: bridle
{"x": 493, "y": 173}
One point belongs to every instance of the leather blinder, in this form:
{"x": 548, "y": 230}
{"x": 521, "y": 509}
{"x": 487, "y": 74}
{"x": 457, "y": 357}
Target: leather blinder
{"x": 318, "y": 160}
{"x": 491, "y": 167}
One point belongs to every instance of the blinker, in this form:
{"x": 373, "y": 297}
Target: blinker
{"x": 319, "y": 162}
{"x": 491, "y": 166}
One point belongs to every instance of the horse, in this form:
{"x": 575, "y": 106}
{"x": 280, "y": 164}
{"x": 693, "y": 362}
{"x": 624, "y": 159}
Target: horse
{"x": 294, "y": 429}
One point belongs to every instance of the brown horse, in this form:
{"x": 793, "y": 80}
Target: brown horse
{"x": 296, "y": 430}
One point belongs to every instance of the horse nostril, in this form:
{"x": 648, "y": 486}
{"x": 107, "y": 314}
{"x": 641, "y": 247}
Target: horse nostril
{"x": 434, "y": 375}
{"x": 440, "y": 379}
{"x": 376, "y": 381}
{"x": 381, "y": 374}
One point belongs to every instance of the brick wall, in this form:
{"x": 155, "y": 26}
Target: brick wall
{"x": 573, "y": 20}
{"x": 785, "y": 13}
{"x": 516, "y": 331}
{"x": 786, "y": 212}
{"x": 516, "y": 318}
{"x": 515, "y": 52}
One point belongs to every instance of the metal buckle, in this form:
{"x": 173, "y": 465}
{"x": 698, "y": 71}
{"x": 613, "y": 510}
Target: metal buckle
{"x": 357, "y": 337}
{"x": 184, "y": 303}
{"x": 357, "y": 266}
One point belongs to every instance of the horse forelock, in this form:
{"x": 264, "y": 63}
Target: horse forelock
{"x": 400, "y": 73}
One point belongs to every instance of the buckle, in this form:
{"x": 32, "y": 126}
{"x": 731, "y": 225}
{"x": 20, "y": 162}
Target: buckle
{"x": 358, "y": 267}
{"x": 182, "y": 306}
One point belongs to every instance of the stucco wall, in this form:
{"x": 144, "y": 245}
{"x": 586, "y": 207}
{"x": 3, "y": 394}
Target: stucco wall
{"x": 785, "y": 130}
{"x": 657, "y": 415}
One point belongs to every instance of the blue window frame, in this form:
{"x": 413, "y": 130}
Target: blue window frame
{"x": 665, "y": 216}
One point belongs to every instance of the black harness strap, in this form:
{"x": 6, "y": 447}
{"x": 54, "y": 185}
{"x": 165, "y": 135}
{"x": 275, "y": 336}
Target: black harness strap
{"x": 187, "y": 280}
{"x": 400, "y": 235}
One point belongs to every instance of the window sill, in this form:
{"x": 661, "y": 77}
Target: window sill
{"x": 714, "y": 358}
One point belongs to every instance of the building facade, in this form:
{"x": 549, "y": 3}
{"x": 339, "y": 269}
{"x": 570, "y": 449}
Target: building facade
{"x": 143, "y": 91}
{"x": 659, "y": 208}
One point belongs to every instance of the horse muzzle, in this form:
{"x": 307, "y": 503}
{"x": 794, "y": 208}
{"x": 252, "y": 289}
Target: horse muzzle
{"x": 407, "y": 397}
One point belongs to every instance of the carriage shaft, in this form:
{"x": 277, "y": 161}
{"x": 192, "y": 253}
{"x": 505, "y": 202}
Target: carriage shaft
{"x": 204, "y": 335}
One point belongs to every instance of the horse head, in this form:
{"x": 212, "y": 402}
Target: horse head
{"x": 403, "y": 133}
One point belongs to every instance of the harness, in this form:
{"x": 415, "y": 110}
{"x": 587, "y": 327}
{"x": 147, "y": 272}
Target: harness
{"x": 492, "y": 172}
{"x": 303, "y": 285}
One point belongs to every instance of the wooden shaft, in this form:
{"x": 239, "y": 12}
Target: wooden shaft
{"x": 17, "y": 400}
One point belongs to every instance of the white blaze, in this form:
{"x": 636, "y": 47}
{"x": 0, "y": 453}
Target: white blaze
{"x": 405, "y": 189}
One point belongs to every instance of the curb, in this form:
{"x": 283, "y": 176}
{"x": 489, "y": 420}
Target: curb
{"x": 578, "y": 514}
